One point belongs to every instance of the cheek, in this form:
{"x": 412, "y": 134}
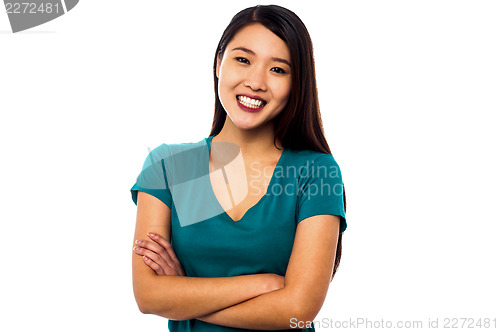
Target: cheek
{"x": 281, "y": 90}
{"x": 229, "y": 76}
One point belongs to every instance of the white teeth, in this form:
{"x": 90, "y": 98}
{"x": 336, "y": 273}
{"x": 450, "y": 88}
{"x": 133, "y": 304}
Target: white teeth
{"x": 249, "y": 102}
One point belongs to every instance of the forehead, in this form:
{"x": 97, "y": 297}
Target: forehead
{"x": 261, "y": 40}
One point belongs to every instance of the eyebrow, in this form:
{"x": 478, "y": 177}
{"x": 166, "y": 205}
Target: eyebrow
{"x": 253, "y": 53}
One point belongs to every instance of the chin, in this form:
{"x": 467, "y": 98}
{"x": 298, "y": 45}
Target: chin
{"x": 245, "y": 126}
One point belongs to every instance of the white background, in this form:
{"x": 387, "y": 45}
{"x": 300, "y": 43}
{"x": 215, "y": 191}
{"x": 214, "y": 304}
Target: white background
{"x": 409, "y": 94}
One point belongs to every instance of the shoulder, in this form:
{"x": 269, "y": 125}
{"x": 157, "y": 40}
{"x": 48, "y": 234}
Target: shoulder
{"x": 167, "y": 151}
{"x": 181, "y": 160}
{"x": 311, "y": 159}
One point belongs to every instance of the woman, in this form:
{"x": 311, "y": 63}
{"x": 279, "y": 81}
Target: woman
{"x": 265, "y": 261}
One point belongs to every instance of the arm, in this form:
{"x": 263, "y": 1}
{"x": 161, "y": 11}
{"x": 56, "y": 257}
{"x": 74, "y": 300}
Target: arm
{"x": 180, "y": 297}
{"x": 306, "y": 282}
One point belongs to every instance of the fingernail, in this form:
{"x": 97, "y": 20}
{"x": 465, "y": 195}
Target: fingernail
{"x": 145, "y": 258}
{"x": 151, "y": 234}
{"x": 136, "y": 249}
{"x": 137, "y": 241}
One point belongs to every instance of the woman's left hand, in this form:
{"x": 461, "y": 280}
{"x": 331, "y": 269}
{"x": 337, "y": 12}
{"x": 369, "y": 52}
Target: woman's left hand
{"x": 159, "y": 256}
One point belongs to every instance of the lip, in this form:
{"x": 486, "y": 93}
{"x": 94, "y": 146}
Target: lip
{"x": 248, "y": 109}
{"x": 253, "y": 97}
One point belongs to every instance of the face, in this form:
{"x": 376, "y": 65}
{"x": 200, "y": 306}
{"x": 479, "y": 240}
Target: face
{"x": 256, "y": 64}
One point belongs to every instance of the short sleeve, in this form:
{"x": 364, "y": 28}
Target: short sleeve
{"x": 321, "y": 190}
{"x": 153, "y": 177}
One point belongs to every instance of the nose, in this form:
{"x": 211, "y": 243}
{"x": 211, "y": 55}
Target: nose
{"x": 256, "y": 78}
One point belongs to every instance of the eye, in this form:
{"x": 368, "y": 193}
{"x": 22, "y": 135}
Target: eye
{"x": 280, "y": 71}
{"x": 239, "y": 59}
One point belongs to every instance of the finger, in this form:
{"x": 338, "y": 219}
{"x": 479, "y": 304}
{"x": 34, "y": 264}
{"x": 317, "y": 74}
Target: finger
{"x": 155, "y": 267}
{"x": 157, "y": 259}
{"x": 155, "y": 247}
{"x": 167, "y": 246}
{"x": 173, "y": 262}
{"x": 164, "y": 269}
{"x": 153, "y": 256}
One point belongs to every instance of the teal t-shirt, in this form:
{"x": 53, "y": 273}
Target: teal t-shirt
{"x": 208, "y": 242}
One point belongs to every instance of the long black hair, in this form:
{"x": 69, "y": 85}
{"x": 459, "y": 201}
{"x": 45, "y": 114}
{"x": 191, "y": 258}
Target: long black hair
{"x": 299, "y": 125}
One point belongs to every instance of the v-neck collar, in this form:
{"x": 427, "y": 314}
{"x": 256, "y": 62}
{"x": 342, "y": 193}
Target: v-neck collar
{"x": 253, "y": 207}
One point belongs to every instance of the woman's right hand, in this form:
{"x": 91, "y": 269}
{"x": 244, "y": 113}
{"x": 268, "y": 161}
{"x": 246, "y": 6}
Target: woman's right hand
{"x": 159, "y": 256}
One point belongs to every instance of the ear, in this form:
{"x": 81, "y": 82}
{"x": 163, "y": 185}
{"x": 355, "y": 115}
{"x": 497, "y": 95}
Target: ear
{"x": 218, "y": 65}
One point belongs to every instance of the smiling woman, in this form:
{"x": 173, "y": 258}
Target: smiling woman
{"x": 249, "y": 260}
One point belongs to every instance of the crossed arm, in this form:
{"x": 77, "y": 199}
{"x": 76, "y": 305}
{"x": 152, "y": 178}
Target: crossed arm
{"x": 260, "y": 301}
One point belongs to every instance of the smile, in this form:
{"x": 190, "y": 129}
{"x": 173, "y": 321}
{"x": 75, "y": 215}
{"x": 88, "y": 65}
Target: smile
{"x": 249, "y": 104}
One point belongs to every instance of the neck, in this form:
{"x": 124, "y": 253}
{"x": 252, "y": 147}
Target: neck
{"x": 254, "y": 142}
